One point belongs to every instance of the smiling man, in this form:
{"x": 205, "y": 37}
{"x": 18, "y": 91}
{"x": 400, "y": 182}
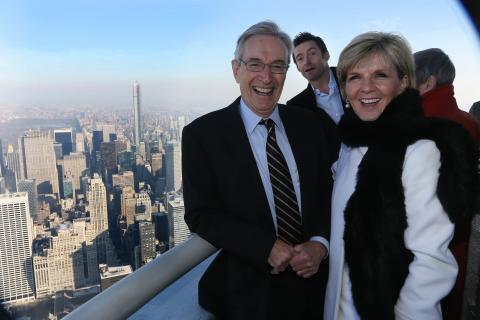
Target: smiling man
{"x": 257, "y": 186}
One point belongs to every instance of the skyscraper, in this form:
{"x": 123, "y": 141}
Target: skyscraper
{"x": 173, "y": 164}
{"x": 57, "y": 148}
{"x": 30, "y": 187}
{"x": 79, "y": 142}
{"x": 138, "y": 133}
{"x": 156, "y": 161}
{"x": 181, "y": 122}
{"x": 97, "y": 206}
{"x": 97, "y": 139}
{"x": 107, "y": 130}
{"x": 142, "y": 150}
{"x": 68, "y": 191}
{"x": 108, "y": 161}
{"x": 123, "y": 179}
{"x": 3, "y": 186}
{"x": 145, "y": 240}
{"x": 16, "y": 268}
{"x": 128, "y": 204}
{"x": 58, "y": 260}
{"x": 65, "y": 137}
{"x": 12, "y": 170}
{"x": 162, "y": 232}
{"x": 143, "y": 205}
{"x": 74, "y": 167}
{"x": 2, "y": 163}
{"x": 38, "y": 159}
{"x": 176, "y": 211}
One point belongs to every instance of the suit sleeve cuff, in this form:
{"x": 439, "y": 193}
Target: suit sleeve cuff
{"x": 323, "y": 241}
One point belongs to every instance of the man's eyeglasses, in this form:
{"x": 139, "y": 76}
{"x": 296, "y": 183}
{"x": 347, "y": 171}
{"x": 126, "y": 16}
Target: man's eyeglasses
{"x": 257, "y": 66}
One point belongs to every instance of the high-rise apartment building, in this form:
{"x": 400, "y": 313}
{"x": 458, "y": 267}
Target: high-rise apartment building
{"x": 173, "y": 166}
{"x": 137, "y": 117}
{"x": 16, "y": 235}
{"x": 38, "y": 160}
{"x": 30, "y": 187}
{"x": 176, "y": 211}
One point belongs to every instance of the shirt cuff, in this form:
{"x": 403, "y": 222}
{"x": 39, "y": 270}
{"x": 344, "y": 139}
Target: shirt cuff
{"x": 323, "y": 241}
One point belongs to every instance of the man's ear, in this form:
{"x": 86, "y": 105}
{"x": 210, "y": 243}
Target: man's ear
{"x": 326, "y": 56}
{"x": 235, "y": 69}
{"x": 431, "y": 82}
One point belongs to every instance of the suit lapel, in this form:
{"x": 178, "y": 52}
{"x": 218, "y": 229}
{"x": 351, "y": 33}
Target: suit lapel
{"x": 334, "y": 71}
{"x": 310, "y": 97}
{"x": 238, "y": 148}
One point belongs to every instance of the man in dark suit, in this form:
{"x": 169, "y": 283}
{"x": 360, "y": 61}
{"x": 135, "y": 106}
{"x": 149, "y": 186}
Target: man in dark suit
{"x": 322, "y": 94}
{"x": 247, "y": 170}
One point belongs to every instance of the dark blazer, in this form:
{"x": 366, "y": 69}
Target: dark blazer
{"x": 225, "y": 203}
{"x": 306, "y": 99}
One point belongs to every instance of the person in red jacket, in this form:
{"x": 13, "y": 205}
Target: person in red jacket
{"x": 435, "y": 73}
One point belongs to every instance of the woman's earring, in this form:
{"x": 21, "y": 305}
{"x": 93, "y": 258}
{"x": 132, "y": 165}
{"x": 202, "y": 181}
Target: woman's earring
{"x": 347, "y": 103}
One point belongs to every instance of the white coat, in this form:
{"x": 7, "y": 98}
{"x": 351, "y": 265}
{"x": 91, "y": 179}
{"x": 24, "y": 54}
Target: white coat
{"x": 433, "y": 270}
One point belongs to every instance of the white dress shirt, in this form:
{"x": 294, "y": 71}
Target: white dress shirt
{"x": 257, "y": 136}
{"x": 330, "y": 102}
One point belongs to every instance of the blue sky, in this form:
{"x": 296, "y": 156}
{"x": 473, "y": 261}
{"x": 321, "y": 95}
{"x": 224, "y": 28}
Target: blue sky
{"x": 88, "y": 53}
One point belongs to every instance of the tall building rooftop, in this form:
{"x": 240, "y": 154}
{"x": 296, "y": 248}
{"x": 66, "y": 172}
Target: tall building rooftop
{"x": 108, "y": 272}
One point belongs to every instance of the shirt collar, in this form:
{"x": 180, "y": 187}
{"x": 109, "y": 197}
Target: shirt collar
{"x": 251, "y": 120}
{"x": 332, "y": 85}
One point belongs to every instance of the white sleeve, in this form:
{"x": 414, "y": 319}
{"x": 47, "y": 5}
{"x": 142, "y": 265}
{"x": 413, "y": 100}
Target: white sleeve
{"x": 433, "y": 270}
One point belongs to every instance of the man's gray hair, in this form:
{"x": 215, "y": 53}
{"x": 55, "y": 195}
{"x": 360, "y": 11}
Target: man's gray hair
{"x": 433, "y": 62}
{"x": 264, "y": 28}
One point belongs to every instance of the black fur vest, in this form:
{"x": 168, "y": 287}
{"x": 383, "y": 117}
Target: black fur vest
{"x": 375, "y": 217}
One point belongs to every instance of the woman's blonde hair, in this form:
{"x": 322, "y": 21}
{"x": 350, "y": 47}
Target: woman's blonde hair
{"x": 391, "y": 46}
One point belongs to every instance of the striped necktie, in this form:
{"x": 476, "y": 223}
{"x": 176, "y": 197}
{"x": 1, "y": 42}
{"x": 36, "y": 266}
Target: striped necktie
{"x": 289, "y": 221}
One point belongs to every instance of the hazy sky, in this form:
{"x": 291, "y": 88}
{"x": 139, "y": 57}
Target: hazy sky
{"x": 89, "y": 52}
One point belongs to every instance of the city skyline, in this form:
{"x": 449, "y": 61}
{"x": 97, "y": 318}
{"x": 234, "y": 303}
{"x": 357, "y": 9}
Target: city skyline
{"x": 66, "y": 54}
